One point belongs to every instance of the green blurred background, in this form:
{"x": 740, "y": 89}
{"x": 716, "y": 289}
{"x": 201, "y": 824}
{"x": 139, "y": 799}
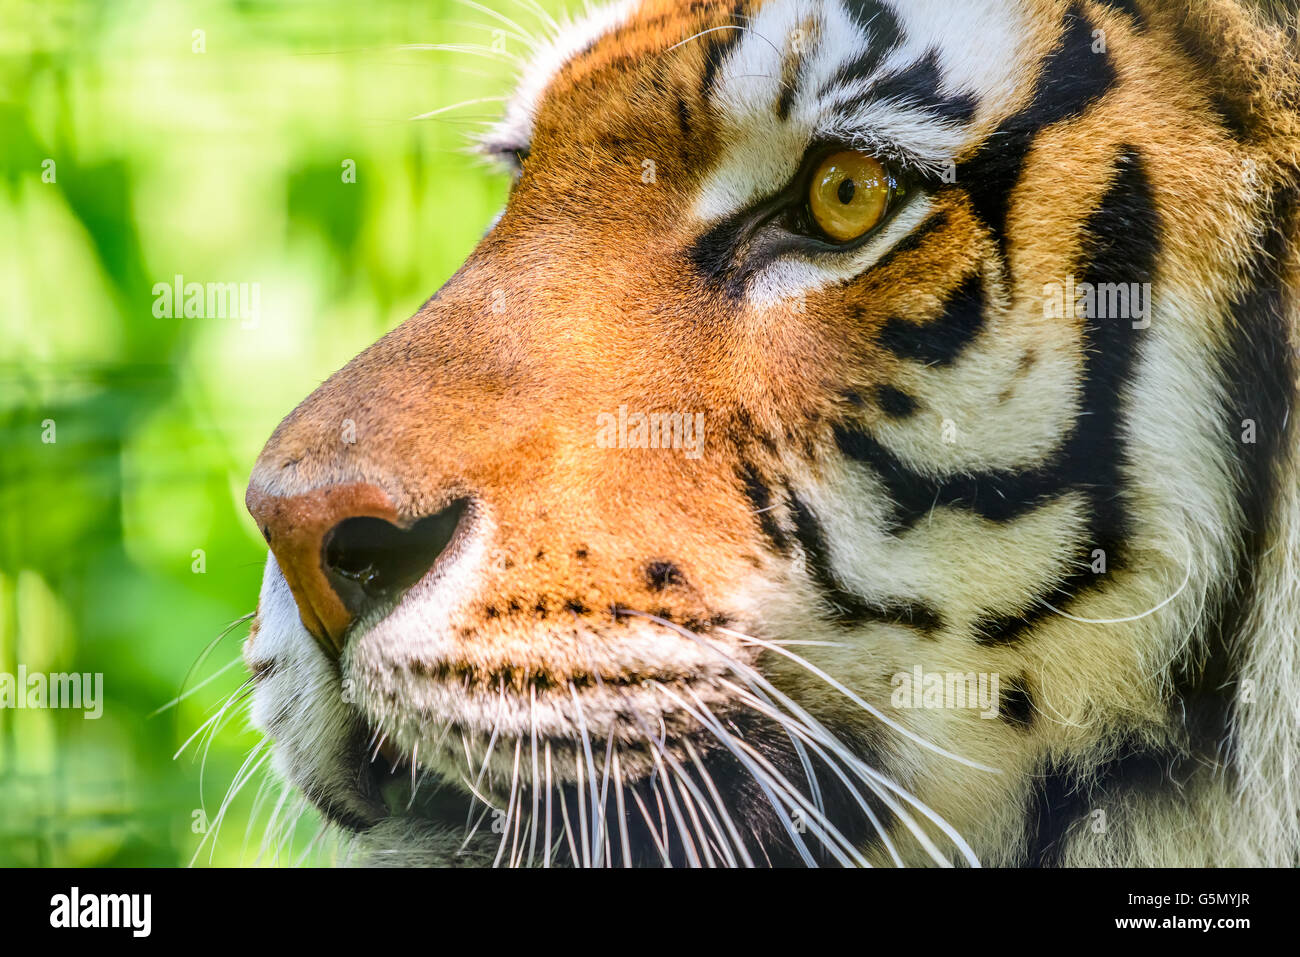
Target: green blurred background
{"x": 134, "y": 149}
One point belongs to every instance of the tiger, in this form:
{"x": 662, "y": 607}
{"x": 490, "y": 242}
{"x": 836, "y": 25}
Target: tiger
{"x": 864, "y": 437}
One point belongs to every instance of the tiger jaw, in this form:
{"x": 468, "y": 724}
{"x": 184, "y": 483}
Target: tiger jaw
{"x": 459, "y": 722}
{"x": 717, "y": 741}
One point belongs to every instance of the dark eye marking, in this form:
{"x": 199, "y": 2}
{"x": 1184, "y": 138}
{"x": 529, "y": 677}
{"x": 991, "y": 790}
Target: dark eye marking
{"x": 738, "y": 246}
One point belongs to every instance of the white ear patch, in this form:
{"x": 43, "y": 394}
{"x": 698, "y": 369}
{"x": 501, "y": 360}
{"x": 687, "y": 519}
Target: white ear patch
{"x": 516, "y": 127}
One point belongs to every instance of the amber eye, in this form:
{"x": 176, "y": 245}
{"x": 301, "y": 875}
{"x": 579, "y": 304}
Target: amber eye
{"x": 849, "y": 194}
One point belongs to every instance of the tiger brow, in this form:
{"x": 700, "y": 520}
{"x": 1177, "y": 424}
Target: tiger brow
{"x": 915, "y": 87}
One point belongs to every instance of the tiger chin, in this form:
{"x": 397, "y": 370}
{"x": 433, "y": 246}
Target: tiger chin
{"x": 865, "y": 437}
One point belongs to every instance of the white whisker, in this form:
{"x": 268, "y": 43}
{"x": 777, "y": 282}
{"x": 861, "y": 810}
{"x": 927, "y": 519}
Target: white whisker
{"x": 501, "y": 18}
{"x": 532, "y": 722}
{"x": 510, "y": 805}
{"x": 826, "y": 832}
{"x": 864, "y": 705}
{"x": 721, "y": 806}
{"x": 622, "y": 811}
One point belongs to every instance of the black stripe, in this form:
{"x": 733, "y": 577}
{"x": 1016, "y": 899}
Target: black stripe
{"x": 884, "y": 35}
{"x": 996, "y": 496}
{"x": 918, "y": 87}
{"x": 683, "y": 117}
{"x": 1259, "y": 372}
{"x": 718, "y": 45}
{"x": 1121, "y": 245}
{"x": 1071, "y": 79}
{"x": 1063, "y": 797}
{"x": 760, "y": 496}
{"x": 894, "y": 402}
{"x": 745, "y": 430}
{"x": 791, "y": 81}
{"x": 1007, "y": 629}
{"x": 941, "y": 340}
{"x": 1122, "y": 241}
{"x": 1016, "y": 704}
{"x": 912, "y": 240}
{"x": 876, "y": 19}
{"x": 847, "y": 608}
{"x": 1234, "y": 104}
{"x": 788, "y": 91}
{"x": 1234, "y": 115}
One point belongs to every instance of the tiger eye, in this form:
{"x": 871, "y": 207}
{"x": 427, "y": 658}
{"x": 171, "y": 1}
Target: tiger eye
{"x": 848, "y": 194}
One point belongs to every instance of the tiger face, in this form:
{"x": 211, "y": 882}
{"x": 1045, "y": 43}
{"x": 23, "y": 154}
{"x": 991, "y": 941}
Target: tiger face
{"x": 863, "y": 438}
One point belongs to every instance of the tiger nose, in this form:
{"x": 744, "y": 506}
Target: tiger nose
{"x": 345, "y": 551}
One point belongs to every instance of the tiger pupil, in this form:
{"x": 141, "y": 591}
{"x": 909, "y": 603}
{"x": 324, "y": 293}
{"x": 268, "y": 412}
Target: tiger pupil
{"x": 848, "y": 195}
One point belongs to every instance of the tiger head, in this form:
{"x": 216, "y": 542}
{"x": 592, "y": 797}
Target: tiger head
{"x": 864, "y": 437}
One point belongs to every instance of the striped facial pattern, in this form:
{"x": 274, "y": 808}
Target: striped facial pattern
{"x": 678, "y": 527}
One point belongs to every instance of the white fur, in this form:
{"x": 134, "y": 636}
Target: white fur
{"x": 515, "y": 128}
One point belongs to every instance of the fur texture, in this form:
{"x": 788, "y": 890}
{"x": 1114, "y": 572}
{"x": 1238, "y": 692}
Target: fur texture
{"x": 920, "y": 454}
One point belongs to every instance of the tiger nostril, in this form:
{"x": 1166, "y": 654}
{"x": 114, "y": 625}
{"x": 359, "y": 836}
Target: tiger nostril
{"x": 346, "y": 551}
{"x": 368, "y": 559}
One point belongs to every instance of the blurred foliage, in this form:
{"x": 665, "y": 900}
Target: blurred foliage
{"x": 134, "y": 149}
